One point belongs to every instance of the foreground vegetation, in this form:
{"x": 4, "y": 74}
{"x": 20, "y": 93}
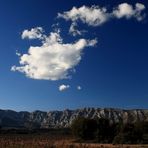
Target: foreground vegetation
{"x": 84, "y": 133}
{"x": 45, "y": 140}
{"x": 102, "y": 131}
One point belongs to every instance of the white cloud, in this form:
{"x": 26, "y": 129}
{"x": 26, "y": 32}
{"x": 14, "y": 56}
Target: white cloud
{"x": 34, "y": 33}
{"x": 96, "y": 16}
{"x": 53, "y": 60}
{"x": 79, "y": 87}
{"x": 73, "y": 29}
{"x": 93, "y": 16}
{"x": 63, "y": 87}
{"x": 17, "y": 53}
{"x": 126, "y": 10}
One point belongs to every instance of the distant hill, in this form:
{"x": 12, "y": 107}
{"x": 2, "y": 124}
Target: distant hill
{"x": 54, "y": 119}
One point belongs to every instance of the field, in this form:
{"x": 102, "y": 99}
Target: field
{"x": 49, "y": 139}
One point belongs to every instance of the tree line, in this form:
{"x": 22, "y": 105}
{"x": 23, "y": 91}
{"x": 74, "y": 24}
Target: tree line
{"x": 102, "y": 131}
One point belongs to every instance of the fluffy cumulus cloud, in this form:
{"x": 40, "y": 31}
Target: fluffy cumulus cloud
{"x": 128, "y": 11}
{"x": 63, "y": 87}
{"x": 92, "y": 16}
{"x": 96, "y": 16}
{"x": 53, "y": 60}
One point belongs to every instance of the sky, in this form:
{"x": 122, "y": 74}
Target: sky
{"x": 58, "y": 55}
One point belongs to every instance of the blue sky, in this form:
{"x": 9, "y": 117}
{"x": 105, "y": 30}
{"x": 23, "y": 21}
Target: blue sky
{"x": 113, "y": 72}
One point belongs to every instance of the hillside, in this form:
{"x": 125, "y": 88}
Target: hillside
{"x": 54, "y": 119}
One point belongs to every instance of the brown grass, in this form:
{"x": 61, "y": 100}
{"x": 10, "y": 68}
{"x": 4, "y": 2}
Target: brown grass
{"x": 46, "y": 141}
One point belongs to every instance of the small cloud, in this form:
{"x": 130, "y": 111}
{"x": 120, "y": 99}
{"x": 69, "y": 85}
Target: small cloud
{"x": 34, "y": 33}
{"x": 79, "y": 87}
{"x": 17, "y": 53}
{"x": 73, "y": 30}
{"x": 63, "y": 87}
{"x": 128, "y": 11}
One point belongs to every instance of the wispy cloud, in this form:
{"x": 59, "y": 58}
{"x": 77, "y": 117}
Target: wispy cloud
{"x": 34, "y": 33}
{"x": 73, "y": 30}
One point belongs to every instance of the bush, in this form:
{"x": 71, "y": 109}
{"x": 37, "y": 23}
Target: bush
{"x": 84, "y": 128}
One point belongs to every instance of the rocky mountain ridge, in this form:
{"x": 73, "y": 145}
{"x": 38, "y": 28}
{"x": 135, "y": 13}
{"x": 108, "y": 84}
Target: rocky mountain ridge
{"x": 54, "y": 119}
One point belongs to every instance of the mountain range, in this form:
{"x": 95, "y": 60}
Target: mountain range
{"x": 63, "y": 119}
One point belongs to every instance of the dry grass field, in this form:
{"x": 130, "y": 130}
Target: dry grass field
{"x": 51, "y": 141}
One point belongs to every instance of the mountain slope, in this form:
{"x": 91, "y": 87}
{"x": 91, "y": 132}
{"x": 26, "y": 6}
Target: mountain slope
{"x": 40, "y": 119}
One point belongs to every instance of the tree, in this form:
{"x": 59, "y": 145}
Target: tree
{"x": 84, "y": 128}
{"x": 105, "y": 131}
{"x": 130, "y": 133}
